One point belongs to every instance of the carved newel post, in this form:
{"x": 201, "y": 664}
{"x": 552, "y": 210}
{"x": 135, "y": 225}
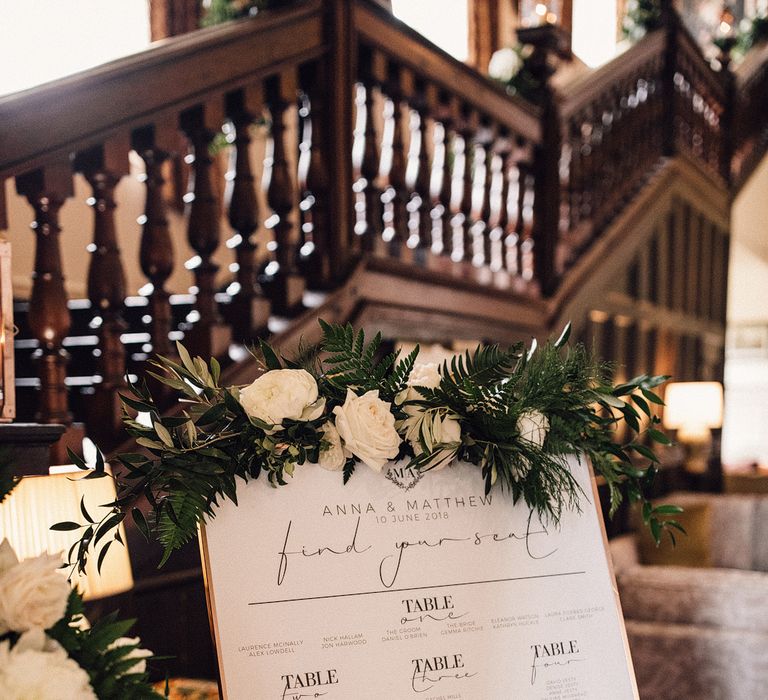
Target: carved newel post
{"x": 551, "y": 44}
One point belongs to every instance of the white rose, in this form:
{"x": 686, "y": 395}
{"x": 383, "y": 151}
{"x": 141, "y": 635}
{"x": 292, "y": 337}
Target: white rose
{"x": 33, "y": 593}
{"x": 533, "y": 427}
{"x": 432, "y": 429}
{"x": 281, "y": 394}
{"x": 333, "y": 457}
{"x": 38, "y": 668}
{"x": 424, "y": 374}
{"x": 367, "y": 427}
{"x": 139, "y": 654}
{"x": 504, "y": 65}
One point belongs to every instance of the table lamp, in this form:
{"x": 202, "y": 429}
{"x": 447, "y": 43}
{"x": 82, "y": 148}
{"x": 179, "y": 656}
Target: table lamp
{"x": 694, "y": 409}
{"x": 38, "y": 502}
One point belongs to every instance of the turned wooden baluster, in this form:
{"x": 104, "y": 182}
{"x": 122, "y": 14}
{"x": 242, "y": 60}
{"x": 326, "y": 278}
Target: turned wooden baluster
{"x": 498, "y": 218}
{"x": 447, "y": 169}
{"x": 103, "y": 167}
{"x": 483, "y": 227}
{"x": 397, "y": 191}
{"x": 284, "y": 284}
{"x": 248, "y": 311}
{"x": 511, "y": 243}
{"x": 156, "y": 251}
{"x": 316, "y": 250}
{"x": 421, "y": 179}
{"x": 49, "y": 320}
{"x": 466, "y": 154}
{"x": 369, "y": 173}
{"x": 371, "y": 67}
{"x": 209, "y": 336}
{"x": 528, "y": 246}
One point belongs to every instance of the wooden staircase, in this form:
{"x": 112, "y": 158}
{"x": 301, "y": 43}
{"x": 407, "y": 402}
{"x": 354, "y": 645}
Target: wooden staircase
{"x": 402, "y": 191}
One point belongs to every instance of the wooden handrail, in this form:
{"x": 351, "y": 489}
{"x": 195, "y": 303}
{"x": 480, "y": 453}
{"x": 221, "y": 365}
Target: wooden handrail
{"x": 688, "y": 45}
{"x": 89, "y": 107}
{"x": 380, "y": 146}
{"x": 578, "y": 93}
{"x": 378, "y": 28}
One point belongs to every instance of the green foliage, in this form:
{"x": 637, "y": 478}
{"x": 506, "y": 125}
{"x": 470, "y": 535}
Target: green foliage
{"x": 111, "y": 673}
{"x": 193, "y": 461}
{"x": 642, "y": 16}
{"x": 219, "y": 11}
{"x": 354, "y": 364}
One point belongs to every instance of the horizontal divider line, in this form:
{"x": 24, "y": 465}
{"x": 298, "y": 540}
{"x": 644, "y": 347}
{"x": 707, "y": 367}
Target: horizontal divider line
{"x": 417, "y": 588}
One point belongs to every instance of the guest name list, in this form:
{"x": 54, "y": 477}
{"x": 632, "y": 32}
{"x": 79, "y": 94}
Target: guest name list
{"x": 401, "y": 585}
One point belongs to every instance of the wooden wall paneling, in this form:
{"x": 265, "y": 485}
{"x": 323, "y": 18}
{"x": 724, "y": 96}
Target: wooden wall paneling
{"x": 703, "y": 307}
{"x": 679, "y": 263}
{"x": 644, "y": 274}
{"x": 653, "y": 270}
{"x": 599, "y": 334}
{"x": 671, "y": 257}
{"x": 693, "y": 260}
{"x": 723, "y": 278}
{"x": 622, "y": 354}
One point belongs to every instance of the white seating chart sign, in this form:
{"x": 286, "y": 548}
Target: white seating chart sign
{"x": 401, "y": 585}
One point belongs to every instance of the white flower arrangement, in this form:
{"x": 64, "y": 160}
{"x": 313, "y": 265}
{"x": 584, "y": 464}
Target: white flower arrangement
{"x": 517, "y": 415}
{"x": 48, "y": 652}
{"x": 509, "y": 66}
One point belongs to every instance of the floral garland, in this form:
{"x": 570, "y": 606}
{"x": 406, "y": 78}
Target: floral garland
{"x": 517, "y": 414}
{"x": 47, "y": 649}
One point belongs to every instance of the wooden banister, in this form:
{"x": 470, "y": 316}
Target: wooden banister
{"x": 171, "y": 76}
{"x": 379, "y": 29}
{"x": 590, "y": 86}
{"x": 380, "y": 145}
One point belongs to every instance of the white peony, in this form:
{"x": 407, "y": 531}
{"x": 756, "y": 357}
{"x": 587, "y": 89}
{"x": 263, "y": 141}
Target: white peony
{"x": 505, "y": 64}
{"x": 33, "y": 593}
{"x": 533, "y": 427}
{"x": 367, "y": 427}
{"x": 432, "y": 429}
{"x": 281, "y": 394}
{"x": 333, "y": 457}
{"x": 38, "y": 668}
{"x": 139, "y": 654}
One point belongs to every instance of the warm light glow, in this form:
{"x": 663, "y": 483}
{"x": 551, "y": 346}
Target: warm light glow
{"x": 594, "y": 31}
{"x": 40, "y": 501}
{"x": 41, "y": 40}
{"x": 694, "y": 408}
{"x": 444, "y": 22}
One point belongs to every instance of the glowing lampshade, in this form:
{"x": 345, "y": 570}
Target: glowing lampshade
{"x": 38, "y": 502}
{"x": 693, "y": 408}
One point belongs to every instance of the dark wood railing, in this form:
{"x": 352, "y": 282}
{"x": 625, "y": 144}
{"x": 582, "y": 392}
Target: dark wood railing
{"x": 381, "y": 146}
